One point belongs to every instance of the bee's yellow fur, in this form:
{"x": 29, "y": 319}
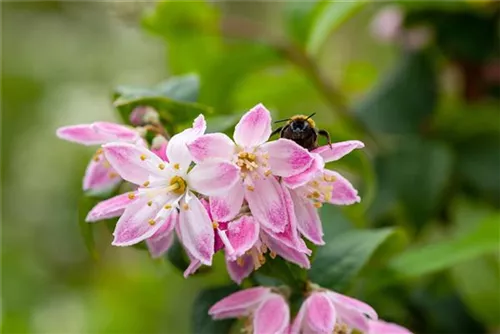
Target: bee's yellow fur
{"x": 302, "y": 117}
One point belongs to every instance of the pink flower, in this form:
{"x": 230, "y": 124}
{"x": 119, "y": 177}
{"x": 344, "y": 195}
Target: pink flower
{"x": 260, "y": 162}
{"x": 268, "y": 310}
{"x": 165, "y": 189}
{"x": 382, "y": 327}
{"x": 317, "y": 185}
{"x": 324, "y": 310}
{"x": 99, "y": 175}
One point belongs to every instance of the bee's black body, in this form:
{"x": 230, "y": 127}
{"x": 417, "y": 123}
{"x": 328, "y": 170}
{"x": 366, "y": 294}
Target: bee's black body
{"x": 302, "y": 130}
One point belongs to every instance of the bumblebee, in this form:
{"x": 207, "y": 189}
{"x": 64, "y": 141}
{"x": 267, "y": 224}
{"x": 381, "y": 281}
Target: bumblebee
{"x": 302, "y": 130}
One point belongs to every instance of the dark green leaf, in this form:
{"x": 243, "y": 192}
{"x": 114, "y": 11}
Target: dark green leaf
{"x": 341, "y": 259}
{"x": 86, "y": 229}
{"x": 404, "y": 101}
{"x": 331, "y": 16}
{"x": 427, "y": 259}
{"x": 299, "y": 17}
{"x": 177, "y": 256}
{"x": 202, "y": 322}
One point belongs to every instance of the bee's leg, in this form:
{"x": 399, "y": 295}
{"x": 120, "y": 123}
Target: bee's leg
{"x": 325, "y": 134}
{"x": 276, "y": 131}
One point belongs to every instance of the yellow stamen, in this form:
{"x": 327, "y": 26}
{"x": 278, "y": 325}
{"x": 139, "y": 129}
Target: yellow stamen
{"x": 318, "y": 205}
{"x": 240, "y": 261}
{"x": 151, "y": 222}
{"x": 112, "y": 175}
{"x": 268, "y": 172}
{"x": 96, "y": 158}
{"x": 161, "y": 166}
{"x": 145, "y": 184}
{"x": 99, "y": 151}
{"x": 272, "y": 255}
{"x": 250, "y": 188}
{"x": 131, "y": 196}
{"x": 177, "y": 185}
{"x": 215, "y": 224}
{"x": 315, "y": 194}
{"x": 177, "y": 166}
{"x": 185, "y": 206}
{"x": 150, "y": 203}
{"x": 168, "y": 207}
{"x": 143, "y": 157}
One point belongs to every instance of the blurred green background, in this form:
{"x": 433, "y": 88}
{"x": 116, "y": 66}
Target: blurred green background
{"x": 418, "y": 83}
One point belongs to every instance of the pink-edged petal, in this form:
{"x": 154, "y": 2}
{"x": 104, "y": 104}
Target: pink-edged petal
{"x": 382, "y": 327}
{"x": 239, "y": 271}
{"x": 286, "y": 158}
{"x": 226, "y": 206}
{"x": 82, "y": 134}
{"x": 159, "y": 243}
{"x": 307, "y": 175}
{"x": 267, "y": 203}
{"x": 343, "y": 192}
{"x": 212, "y": 145}
{"x": 254, "y": 128}
{"x": 240, "y": 303}
{"x": 100, "y": 176}
{"x": 298, "y": 324}
{"x": 136, "y": 224}
{"x": 288, "y": 253}
{"x": 115, "y": 132}
{"x": 110, "y": 208}
{"x": 134, "y": 163}
{"x": 338, "y": 150}
{"x": 272, "y": 316}
{"x": 321, "y": 315}
{"x": 194, "y": 265}
{"x": 242, "y": 235}
{"x": 159, "y": 147}
{"x": 213, "y": 177}
{"x": 196, "y": 230}
{"x": 177, "y": 149}
{"x": 308, "y": 221}
{"x": 352, "y": 303}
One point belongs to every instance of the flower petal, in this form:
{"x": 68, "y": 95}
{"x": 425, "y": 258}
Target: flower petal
{"x": 177, "y": 149}
{"x": 115, "y": 132}
{"x": 212, "y": 145}
{"x": 239, "y": 271}
{"x": 213, "y": 177}
{"x": 254, "y": 128}
{"x": 272, "y": 316}
{"x": 338, "y": 150}
{"x": 159, "y": 147}
{"x": 307, "y": 175}
{"x": 382, "y": 327}
{"x": 82, "y": 134}
{"x": 136, "y": 222}
{"x": 100, "y": 176}
{"x": 160, "y": 242}
{"x": 267, "y": 203}
{"x": 321, "y": 315}
{"x": 352, "y": 304}
{"x": 242, "y": 234}
{"x": 343, "y": 192}
{"x": 298, "y": 324}
{"x": 240, "y": 303}
{"x": 226, "y": 206}
{"x": 196, "y": 230}
{"x": 287, "y": 158}
{"x": 308, "y": 221}
{"x": 110, "y": 208}
{"x": 288, "y": 253}
{"x": 133, "y": 162}
{"x": 194, "y": 265}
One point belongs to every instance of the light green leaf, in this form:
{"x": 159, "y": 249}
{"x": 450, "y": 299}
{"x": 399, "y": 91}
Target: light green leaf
{"x": 434, "y": 257}
{"x": 202, "y": 322}
{"x": 331, "y": 17}
{"x": 343, "y": 256}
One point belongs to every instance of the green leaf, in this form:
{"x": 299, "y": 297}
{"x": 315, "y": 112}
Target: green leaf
{"x": 299, "y": 17}
{"x": 343, "y": 256}
{"x": 333, "y": 14}
{"x": 202, "y": 322}
{"x": 86, "y": 229}
{"x": 172, "y": 99}
{"x": 404, "y": 101}
{"x": 434, "y": 257}
{"x": 288, "y": 273}
{"x": 177, "y": 256}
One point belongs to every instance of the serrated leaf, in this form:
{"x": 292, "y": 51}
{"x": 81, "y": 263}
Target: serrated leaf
{"x": 434, "y": 257}
{"x": 202, "y": 322}
{"x": 332, "y": 15}
{"x": 341, "y": 259}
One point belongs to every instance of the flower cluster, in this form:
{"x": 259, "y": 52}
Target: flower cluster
{"x": 247, "y": 197}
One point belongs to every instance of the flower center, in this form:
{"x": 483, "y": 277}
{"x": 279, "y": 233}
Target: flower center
{"x": 177, "y": 185}
{"x": 247, "y": 162}
{"x": 320, "y": 189}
